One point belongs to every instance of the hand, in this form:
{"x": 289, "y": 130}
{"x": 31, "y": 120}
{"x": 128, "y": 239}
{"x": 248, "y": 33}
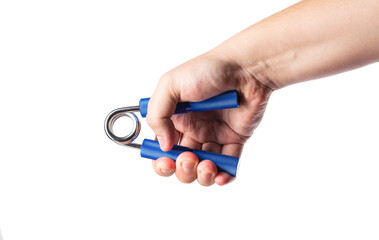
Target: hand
{"x": 290, "y": 47}
{"x": 221, "y": 131}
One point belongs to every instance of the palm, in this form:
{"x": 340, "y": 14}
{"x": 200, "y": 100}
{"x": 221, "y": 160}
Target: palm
{"x": 225, "y": 130}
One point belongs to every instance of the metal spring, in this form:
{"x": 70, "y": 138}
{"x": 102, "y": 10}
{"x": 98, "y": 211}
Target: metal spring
{"x": 130, "y": 137}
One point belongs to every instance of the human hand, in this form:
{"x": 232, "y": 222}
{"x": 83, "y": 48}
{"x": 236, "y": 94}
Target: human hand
{"x": 221, "y": 131}
{"x": 290, "y": 47}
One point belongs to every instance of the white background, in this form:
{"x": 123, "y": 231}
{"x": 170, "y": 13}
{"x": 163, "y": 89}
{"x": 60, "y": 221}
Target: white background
{"x": 309, "y": 172}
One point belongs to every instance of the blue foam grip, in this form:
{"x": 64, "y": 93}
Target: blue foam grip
{"x": 225, "y": 100}
{"x": 150, "y": 149}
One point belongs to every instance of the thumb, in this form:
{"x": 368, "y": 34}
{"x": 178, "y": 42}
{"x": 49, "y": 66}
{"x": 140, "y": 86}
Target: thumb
{"x": 161, "y": 107}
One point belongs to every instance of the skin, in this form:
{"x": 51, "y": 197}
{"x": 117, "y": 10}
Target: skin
{"x": 308, "y": 40}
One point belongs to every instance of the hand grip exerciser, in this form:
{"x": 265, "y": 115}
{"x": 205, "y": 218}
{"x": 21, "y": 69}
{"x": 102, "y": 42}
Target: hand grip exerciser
{"x": 150, "y": 149}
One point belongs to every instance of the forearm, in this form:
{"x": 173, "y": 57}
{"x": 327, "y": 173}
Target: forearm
{"x": 309, "y": 40}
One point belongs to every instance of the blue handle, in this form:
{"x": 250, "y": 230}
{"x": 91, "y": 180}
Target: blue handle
{"x": 225, "y": 100}
{"x": 150, "y": 149}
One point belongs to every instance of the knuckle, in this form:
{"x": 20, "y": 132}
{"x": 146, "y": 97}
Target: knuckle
{"x": 187, "y": 156}
{"x": 167, "y": 77}
{"x": 207, "y": 165}
{"x": 152, "y": 121}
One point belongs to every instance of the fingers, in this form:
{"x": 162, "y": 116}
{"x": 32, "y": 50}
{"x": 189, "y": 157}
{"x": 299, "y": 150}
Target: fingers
{"x": 234, "y": 150}
{"x": 212, "y": 147}
{"x": 206, "y": 173}
{"x": 206, "y": 170}
{"x": 164, "y": 166}
{"x": 189, "y": 142}
{"x": 177, "y": 137}
{"x": 161, "y": 107}
{"x": 223, "y": 178}
{"x": 186, "y": 167}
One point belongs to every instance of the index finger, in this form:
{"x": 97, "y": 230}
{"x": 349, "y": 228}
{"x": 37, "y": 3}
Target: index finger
{"x": 161, "y": 107}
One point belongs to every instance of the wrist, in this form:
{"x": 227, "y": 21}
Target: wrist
{"x": 250, "y": 58}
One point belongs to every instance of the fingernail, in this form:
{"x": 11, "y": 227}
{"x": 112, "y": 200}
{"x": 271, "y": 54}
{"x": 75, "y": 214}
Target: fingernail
{"x": 161, "y": 141}
{"x": 206, "y": 175}
{"x": 188, "y": 166}
{"x": 166, "y": 171}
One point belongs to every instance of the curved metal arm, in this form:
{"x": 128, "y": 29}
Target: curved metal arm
{"x": 123, "y": 112}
